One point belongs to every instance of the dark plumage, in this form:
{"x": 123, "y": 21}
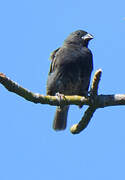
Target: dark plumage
{"x": 70, "y": 72}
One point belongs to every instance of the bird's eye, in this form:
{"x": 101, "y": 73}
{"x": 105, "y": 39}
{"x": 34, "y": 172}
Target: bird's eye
{"x": 78, "y": 33}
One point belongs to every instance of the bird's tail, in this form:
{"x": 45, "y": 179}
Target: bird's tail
{"x": 60, "y": 119}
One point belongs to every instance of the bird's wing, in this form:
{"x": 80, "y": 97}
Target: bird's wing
{"x": 53, "y": 59}
{"x": 53, "y": 54}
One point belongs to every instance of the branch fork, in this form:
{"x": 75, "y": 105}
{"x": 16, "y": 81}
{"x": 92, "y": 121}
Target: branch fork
{"x": 94, "y": 101}
{"x": 77, "y": 128}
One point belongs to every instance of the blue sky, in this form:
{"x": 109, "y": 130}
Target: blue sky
{"x": 29, "y": 148}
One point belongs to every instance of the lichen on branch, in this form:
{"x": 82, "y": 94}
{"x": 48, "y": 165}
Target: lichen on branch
{"x": 94, "y": 101}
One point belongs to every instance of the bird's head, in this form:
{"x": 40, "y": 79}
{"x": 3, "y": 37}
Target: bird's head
{"x": 79, "y": 37}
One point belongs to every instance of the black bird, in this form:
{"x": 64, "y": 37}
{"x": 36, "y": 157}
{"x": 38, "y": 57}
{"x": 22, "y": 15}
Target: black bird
{"x": 70, "y": 72}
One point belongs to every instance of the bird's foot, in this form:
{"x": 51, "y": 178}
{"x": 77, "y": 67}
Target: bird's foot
{"x": 60, "y": 97}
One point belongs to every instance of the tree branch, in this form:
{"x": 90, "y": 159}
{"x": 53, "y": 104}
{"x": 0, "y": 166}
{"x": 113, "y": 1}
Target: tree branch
{"x": 94, "y": 101}
{"x": 95, "y": 82}
{"x": 77, "y": 128}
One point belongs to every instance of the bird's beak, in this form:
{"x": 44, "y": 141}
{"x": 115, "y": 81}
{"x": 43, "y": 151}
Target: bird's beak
{"x": 87, "y": 37}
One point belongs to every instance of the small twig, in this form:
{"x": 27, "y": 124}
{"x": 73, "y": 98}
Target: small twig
{"x": 95, "y": 82}
{"x": 77, "y": 128}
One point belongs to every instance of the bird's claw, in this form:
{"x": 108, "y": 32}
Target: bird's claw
{"x": 60, "y": 97}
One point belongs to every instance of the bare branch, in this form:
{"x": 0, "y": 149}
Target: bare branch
{"x": 94, "y": 101}
{"x": 77, "y": 128}
{"x": 39, "y": 98}
{"x": 95, "y": 82}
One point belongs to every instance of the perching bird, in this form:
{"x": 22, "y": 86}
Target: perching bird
{"x": 70, "y": 72}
